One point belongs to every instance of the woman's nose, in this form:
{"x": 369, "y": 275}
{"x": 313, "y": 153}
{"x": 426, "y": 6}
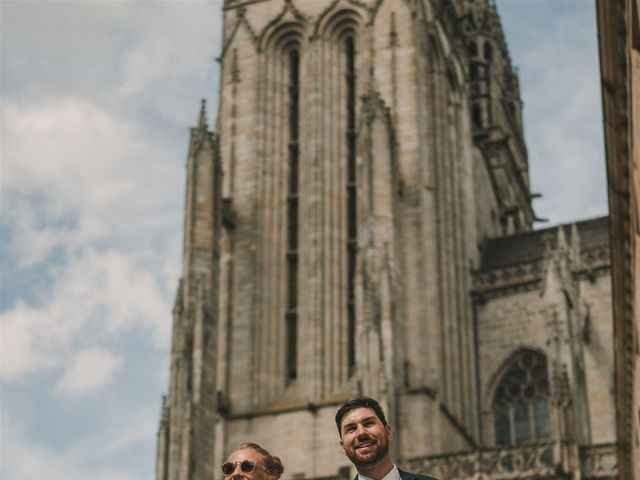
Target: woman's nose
{"x": 237, "y": 471}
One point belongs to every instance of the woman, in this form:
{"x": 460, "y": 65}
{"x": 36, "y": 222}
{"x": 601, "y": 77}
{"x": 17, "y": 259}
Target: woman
{"x": 252, "y": 461}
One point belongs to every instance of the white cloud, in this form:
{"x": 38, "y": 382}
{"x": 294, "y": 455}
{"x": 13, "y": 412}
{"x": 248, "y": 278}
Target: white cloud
{"x": 105, "y": 292}
{"x": 88, "y": 371}
{"x": 17, "y": 352}
{"x": 27, "y": 461}
{"x": 39, "y": 227}
{"x": 563, "y": 122}
{"x": 140, "y": 428}
{"x": 97, "y": 101}
{"x": 71, "y": 181}
{"x": 71, "y": 149}
{"x": 157, "y": 55}
{"x": 89, "y": 457}
{"x": 156, "y": 61}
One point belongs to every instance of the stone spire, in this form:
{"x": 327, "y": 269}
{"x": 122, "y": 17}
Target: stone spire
{"x": 186, "y": 432}
{"x": 202, "y": 122}
{"x": 201, "y": 204}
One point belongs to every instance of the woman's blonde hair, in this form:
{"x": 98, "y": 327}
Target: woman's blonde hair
{"x": 272, "y": 464}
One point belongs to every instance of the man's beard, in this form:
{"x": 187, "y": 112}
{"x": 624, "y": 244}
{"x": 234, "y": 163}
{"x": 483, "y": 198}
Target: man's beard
{"x": 381, "y": 452}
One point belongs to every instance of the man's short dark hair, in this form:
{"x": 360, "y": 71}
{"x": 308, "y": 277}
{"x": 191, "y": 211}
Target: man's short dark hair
{"x": 359, "y": 402}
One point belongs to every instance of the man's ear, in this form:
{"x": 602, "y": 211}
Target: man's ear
{"x": 389, "y": 432}
{"x": 342, "y": 447}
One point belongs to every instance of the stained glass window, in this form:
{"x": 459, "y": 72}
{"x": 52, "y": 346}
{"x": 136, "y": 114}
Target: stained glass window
{"x": 521, "y": 401}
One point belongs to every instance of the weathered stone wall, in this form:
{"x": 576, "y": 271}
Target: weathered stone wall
{"x": 486, "y": 203}
{"x": 597, "y": 311}
{"x": 415, "y": 201}
{"x": 506, "y": 324}
{"x": 540, "y": 309}
{"x": 619, "y": 45}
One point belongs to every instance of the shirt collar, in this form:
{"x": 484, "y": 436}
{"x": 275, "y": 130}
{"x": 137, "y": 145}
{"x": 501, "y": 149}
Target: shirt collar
{"x": 394, "y": 474}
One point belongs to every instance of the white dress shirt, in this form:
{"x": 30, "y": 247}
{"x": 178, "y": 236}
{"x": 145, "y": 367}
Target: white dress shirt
{"x": 393, "y": 474}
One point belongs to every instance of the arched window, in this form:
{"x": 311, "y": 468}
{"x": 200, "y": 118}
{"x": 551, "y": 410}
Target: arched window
{"x": 280, "y": 160}
{"x": 352, "y": 226}
{"x": 521, "y": 401}
{"x": 341, "y": 30}
{"x": 292, "y": 216}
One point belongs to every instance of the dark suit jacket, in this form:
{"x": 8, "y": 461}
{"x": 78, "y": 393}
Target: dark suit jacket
{"x": 409, "y": 476}
{"x": 414, "y": 476}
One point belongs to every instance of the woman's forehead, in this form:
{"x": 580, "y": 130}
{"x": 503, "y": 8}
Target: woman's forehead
{"x": 245, "y": 454}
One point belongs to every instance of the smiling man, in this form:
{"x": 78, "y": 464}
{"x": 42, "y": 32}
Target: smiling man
{"x": 365, "y": 436}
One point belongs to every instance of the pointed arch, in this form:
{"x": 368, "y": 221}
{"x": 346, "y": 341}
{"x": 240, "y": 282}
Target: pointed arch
{"x": 281, "y": 134}
{"x": 241, "y": 21}
{"x": 289, "y": 24}
{"x": 519, "y": 399}
{"x": 283, "y": 37}
{"x": 339, "y": 32}
{"x": 289, "y": 19}
{"x": 340, "y": 12}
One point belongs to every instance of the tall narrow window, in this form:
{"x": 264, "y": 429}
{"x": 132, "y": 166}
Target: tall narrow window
{"x": 476, "y": 116}
{"x": 488, "y": 52}
{"x": 292, "y": 219}
{"x": 352, "y": 227}
{"x": 521, "y": 402}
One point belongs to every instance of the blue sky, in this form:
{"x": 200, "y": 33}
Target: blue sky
{"x": 97, "y": 98}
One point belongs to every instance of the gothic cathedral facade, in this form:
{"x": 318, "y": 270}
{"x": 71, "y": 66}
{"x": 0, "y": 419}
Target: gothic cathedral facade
{"x": 360, "y": 222}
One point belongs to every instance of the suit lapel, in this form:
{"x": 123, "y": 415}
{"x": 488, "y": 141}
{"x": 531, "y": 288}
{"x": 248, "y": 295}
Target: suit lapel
{"x": 406, "y": 475}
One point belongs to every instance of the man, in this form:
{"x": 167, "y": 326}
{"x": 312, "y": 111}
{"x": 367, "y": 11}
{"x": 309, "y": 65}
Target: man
{"x": 365, "y": 436}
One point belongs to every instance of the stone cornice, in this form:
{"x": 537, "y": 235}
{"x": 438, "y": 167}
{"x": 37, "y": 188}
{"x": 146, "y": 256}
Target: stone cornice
{"x": 521, "y": 462}
{"x": 527, "y": 276}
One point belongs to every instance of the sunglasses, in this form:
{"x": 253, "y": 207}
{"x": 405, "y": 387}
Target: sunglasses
{"x": 246, "y": 466}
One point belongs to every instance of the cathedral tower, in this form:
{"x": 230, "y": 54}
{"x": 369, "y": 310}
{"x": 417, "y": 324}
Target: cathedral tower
{"x": 347, "y": 152}
{"x": 366, "y": 151}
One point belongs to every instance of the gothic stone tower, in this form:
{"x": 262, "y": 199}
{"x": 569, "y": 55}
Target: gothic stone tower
{"x": 365, "y": 152}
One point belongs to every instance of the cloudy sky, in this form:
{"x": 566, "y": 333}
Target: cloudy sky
{"x": 97, "y": 98}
